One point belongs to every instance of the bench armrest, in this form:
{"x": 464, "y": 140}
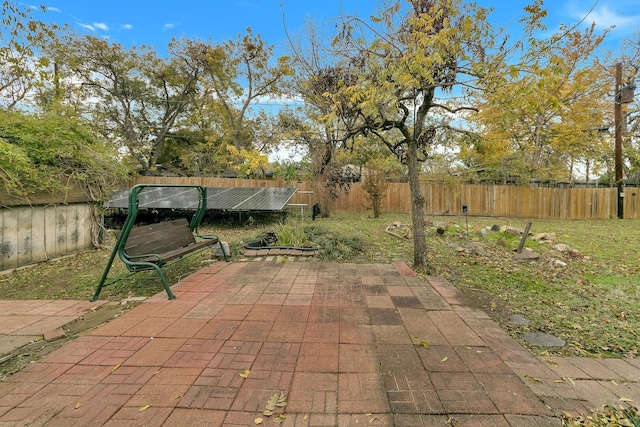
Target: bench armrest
{"x": 207, "y": 236}
{"x": 134, "y": 257}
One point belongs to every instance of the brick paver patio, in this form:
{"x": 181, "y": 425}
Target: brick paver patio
{"x": 342, "y": 344}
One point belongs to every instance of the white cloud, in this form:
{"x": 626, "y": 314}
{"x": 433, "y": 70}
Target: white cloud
{"x": 86, "y": 26}
{"x": 52, "y": 9}
{"x": 101, "y": 26}
{"x": 168, "y": 26}
{"x": 127, "y": 27}
{"x": 604, "y": 16}
{"x": 93, "y": 27}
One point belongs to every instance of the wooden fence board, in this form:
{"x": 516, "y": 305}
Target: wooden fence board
{"x": 447, "y": 199}
{"x": 31, "y": 234}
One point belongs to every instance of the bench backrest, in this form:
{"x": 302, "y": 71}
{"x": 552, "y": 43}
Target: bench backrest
{"x": 159, "y": 238}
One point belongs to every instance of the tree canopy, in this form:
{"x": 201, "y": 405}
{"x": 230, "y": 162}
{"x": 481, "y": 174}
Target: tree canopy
{"x": 399, "y": 72}
{"x": 542, "y": 117}
{"x": 45, "y": 152}
{"x": 422, "y": 87}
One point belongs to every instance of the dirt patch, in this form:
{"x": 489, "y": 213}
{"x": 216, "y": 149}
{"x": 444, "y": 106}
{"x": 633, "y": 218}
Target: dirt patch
{"x": 496, "y": 308}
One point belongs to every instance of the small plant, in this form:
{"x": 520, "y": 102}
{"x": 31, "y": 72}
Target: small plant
{"x": 375, "y": 186}
{"x": 334, "y": 246}
{"x": 290, "y": 234}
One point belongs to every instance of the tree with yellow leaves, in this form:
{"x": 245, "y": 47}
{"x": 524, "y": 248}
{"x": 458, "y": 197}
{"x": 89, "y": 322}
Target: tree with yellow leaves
{"x": 406, "y": 74}
{"x": 544, "y": 117}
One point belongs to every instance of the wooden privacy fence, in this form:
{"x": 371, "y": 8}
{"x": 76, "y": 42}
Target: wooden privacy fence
{"x": 447, "y": 199}
{"x": 500, "y": 201}
{"x": 45, "y": 227}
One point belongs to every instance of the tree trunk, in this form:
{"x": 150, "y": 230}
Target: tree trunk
{"x": 323, "y": 197}
{"x": 417, "y": 210}
{"x": 376, "y": 206}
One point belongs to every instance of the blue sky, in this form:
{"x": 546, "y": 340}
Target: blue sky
{"x": 155, "y": 23}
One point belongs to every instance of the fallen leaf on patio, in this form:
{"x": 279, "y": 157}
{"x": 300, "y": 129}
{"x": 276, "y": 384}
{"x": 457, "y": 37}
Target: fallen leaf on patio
{"x": 259, "y": 420}
{"x": 115, "y": 367}
{"x": 444, "y": 359}
{"x": 178, "y": 397}
{"x": 245, "y": 374}
{"x": 624, "y": 399}
{"x": 422, "y": 342}
{"x": 78, "y": 405}
{"x": 267, "y": 413}
{"x": 613, "y": 382}
{"x": 534, "y": 379}
{"x": 144, "y": 408}
{"x": 282, "y": 400}
{"x": 550, "y": 362}
{"x": 451, "y": 422}
{"x": 569, "y": 379}
{"x": 273, "y": 401}
{"x": 157, "y": 372}
{"x": 280, "y": 418}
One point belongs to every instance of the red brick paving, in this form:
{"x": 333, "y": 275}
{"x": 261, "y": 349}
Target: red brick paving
{"x": 347, "y": 344}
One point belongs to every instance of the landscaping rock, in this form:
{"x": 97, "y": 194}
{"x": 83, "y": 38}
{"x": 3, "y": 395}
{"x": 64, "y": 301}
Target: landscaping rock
{"x": 513, "y": 231}
{"x": 544, "y": 237}
{"x": 218, "y": 252}
{"x": 559, "y": 263}
{"x": 503, "y": 242}
{"x": 543, "y": 339}
{"x": 562, "y": 248}
{"x": 519, "y": 320}
{"x": 527, "y": 254}
{"x": 574, "y": 253}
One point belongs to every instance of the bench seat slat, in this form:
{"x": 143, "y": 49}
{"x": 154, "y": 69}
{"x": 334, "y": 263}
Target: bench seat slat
{"x": 159, "y": 238}
{"x": 174, "y": 254}
{"x": 161, "y": 243}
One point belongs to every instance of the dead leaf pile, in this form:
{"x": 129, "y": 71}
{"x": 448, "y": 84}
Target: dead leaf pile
{"x": 607, "y": 416}
{"x": 274, "y": 409}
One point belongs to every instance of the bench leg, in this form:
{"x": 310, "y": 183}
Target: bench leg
{"x": 96, "y": 294}
{"x": 164, "y": 282}
{"x": 226, "y": 258}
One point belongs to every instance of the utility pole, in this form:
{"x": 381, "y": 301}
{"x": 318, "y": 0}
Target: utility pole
{"x": 618, "y": 139}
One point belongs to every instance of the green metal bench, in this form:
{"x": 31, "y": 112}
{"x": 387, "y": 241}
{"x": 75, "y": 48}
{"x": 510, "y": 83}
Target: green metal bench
{"x": 151, "y": 247}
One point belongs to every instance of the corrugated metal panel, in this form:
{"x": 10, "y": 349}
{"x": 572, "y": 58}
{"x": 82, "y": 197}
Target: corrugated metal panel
{"x": 227, "y": 199}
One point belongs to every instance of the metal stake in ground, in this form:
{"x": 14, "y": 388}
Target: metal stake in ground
{"x": 465, "y": 211}
{"x": 524, "y": 238}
